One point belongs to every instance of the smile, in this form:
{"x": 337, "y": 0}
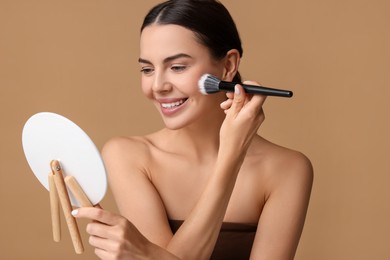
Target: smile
{"x": 173, "y": 104}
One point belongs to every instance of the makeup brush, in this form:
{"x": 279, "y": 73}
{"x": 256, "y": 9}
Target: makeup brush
{"x": 209, "y": 84}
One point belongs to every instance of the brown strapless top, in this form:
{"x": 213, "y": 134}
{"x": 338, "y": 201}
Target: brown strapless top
{"x": 234, "y": 242}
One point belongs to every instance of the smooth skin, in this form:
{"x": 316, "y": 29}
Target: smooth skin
{"x": 207, "y": 166}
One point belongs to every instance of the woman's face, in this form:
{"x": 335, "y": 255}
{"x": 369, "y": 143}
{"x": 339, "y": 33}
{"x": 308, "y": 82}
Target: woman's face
{"x": 172, "y": 62}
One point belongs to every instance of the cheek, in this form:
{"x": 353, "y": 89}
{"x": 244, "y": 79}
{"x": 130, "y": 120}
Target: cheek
{"x": 191, "y": 87}
{"x": 191, "y": 83}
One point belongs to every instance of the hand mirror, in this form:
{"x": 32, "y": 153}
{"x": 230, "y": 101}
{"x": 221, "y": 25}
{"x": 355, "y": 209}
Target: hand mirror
{"x": 48, "y": 136}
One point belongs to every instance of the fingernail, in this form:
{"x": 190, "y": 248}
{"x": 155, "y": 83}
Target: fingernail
{"x": 75, "y": 212}
{"x": 236, "y": 90}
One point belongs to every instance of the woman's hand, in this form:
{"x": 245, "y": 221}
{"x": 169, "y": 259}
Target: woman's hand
{"x": 244, "y": 115}
{"x": 113, "y": 236}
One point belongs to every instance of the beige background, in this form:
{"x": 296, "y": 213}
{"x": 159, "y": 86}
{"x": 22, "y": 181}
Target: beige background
{"x": 79, "y": 59}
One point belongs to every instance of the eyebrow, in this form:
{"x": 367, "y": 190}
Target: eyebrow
{"x": 167, "y": 59}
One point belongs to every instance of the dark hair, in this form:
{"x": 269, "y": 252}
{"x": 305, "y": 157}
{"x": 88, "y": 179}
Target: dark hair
{"x": 210, "y": 21}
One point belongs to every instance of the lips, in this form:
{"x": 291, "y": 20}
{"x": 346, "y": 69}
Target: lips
{"x": 171, "y": 105}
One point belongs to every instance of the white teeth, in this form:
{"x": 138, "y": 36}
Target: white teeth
{"x": 173, "y": 104}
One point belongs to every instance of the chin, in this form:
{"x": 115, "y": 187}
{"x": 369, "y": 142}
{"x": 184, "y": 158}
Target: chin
{"x": 173, "y": 124}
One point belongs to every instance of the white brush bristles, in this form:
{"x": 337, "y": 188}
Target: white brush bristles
{"x": 208, "y": 84}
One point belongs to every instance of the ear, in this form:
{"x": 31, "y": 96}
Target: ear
{"x": 231, "y": 64}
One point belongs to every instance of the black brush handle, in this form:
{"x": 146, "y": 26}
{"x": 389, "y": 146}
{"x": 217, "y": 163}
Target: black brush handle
{"x": 252, "y": 89}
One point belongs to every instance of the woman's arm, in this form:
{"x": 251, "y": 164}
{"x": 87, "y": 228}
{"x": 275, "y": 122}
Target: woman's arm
{"x": 114, "y": 237}
{"x": 139, "y": 201}
{"x": 197, "y": 236}
{"x": 282, "y": 220}
{"x": 144, "y": 229}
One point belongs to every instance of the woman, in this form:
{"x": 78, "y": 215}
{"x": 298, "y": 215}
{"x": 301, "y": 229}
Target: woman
{"x": 207, "y": 169}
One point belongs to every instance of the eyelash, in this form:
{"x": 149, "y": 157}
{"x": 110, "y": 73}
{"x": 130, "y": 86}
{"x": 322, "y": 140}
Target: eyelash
{"x": 146, "y": 70}
{"x": 178, "y": 68}
{"x": 175, "y": 68}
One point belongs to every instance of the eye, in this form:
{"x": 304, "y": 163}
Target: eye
{"x": 178, "y": 68}
{"x": 147, "y": 70}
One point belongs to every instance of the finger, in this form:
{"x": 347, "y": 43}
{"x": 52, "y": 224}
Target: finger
{"x": 262, "y": 116}
{"x": 255, "y": 105}
{"x": 97, "y": 214}
{"x": 103, "y": 254}
{"x": 226, "y": 104}
{"x": 101, "y": 243}
{"x": 259, "y": 99}
{"x": 107, "y": 245}
{"x": 251, "y": 82}
{"x": 238, "y": 99}
{"x": 98, "y": 229}
{"x": 230, "y": 95}
{"x": 98, "y": 242}
{"x": 248, "y": 98}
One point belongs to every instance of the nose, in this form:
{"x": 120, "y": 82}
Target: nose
{"x": 160, "y": 83}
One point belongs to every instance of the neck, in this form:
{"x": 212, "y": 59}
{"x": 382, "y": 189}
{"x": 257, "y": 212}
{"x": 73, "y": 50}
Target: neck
{"x": 201, "y": 139}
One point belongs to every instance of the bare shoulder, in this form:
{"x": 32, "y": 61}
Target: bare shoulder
{"x": 286, "y": 176}
{"x": 124, "y": 144}
{"x": 279, "y": 164}
{"x": 126, "y": 151}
